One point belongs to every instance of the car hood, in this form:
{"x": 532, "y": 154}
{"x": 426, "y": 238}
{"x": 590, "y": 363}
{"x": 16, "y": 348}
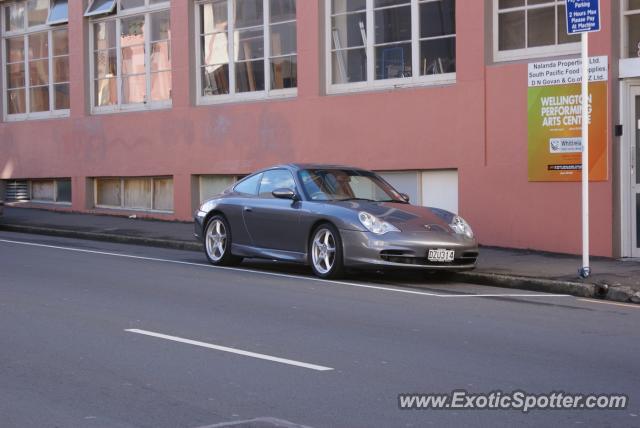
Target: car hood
{"x": 404, "y": 216}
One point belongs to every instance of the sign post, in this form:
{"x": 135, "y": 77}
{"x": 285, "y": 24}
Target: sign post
{"x": 583, "y": 16}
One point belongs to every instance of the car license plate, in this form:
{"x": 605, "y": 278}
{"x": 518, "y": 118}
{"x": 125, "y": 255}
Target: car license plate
{"x": 441, "y": 255}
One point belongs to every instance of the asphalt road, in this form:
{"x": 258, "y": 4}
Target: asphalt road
{"x": 99, "y": 335}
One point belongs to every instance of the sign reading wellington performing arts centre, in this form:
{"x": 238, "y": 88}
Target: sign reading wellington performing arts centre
{"x": 555, "y": 120}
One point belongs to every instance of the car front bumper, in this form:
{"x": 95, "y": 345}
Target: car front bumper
{"x": 198, "y": 224}
{"x": 406, "y": 250}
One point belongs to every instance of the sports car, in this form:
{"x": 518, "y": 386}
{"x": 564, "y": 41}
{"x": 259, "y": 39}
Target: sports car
{"x": 332, "y": 218}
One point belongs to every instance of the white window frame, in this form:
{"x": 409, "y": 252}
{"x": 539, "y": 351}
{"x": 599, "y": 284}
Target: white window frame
{"x": 122, "y": 207}
{"x": 371, "y": 84}
{"x": 55, "y": 192}
{"x": 25, "y": 32}
{"x": 624, "y": 25}
{"x": 234, "y": 96}
{"x": 118, "y": 16}
{"x": 535, "y": 52}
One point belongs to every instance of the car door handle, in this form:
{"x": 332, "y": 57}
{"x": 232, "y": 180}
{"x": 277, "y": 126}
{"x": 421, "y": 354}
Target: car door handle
{"x": 248, "y": 209}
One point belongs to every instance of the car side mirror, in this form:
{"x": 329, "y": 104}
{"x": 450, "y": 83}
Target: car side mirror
{"x": 405, "y": 197}
{"x": 285, "y": 193}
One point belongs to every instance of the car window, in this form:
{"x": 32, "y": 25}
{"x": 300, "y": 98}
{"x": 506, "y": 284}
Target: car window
{"x": 275, "y": 179}
{"x": 248, "y": 186}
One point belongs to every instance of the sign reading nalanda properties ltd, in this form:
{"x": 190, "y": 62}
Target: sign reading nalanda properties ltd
{"x": 555, "y": 120}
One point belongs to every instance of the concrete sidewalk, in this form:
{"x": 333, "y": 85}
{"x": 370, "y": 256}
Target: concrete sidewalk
{"x": 611, "y": 279}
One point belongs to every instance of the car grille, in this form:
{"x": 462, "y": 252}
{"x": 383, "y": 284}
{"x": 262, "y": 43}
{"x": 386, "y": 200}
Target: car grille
{"x": 409, "y": 258}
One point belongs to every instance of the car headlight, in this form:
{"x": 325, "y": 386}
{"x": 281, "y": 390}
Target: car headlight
{"x": 460, "y": 226}
{"x": 375, "y": 225}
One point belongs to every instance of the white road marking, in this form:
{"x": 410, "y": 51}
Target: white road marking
{"x": 280, "y": 275}
{"x": 231, "y": 350}
{"x": 624, "y": 305}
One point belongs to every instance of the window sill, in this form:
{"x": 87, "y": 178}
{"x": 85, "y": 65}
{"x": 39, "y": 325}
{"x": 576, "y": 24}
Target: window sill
{"x": 131, "y": 108}
{"x": 533, "y": 53}
{"x": 58, "y": 114}
{"x": 282, "y": 94}
{"x": 390, "y": 84}
{"x": 629, "y": 67}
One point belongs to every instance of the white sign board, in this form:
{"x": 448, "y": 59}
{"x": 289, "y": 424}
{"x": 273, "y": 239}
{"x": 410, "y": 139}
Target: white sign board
{"x": 567, "y": 71}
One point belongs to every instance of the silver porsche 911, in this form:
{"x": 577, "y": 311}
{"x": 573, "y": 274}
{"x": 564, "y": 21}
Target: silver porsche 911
{"x": 332, "y": 218}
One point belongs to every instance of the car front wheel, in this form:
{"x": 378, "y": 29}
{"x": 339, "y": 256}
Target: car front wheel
{"x": 217, "y": 242}
{"x": 325, "y": 252}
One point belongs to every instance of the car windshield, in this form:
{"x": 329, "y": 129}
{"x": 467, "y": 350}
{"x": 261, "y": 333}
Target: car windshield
{"x": 345, "y": 185}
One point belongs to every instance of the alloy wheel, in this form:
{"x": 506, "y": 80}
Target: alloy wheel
{"x": 323, "y": 251}
{"x": 216, "y": 239}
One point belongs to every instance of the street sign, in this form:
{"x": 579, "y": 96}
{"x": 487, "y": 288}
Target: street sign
{"x": 583, "y": 16}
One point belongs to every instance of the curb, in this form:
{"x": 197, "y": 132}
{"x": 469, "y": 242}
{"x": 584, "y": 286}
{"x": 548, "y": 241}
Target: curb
{"x": 106, "y": 237}
{"x": 578, "y": 289}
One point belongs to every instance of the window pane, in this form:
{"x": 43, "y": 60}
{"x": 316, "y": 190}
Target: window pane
{"x": 104, "y": 34}
{"x": 563, "y": 37}
{"x": 132, "y": 31}
{"x": 14, "y": 17}
{"x": 61, "y": 69}
{"x": 283, "y": 39}
{"x": 160, "y": 26}
{"x": 342, "y": 6}
{"x": 105, "y": 63}
{"x": 108, "y": 192}
{"x": 39, "y": 72}
{"x": 284, "y": 72}
{"x": 101, "y": 6}
{"x": 541, "y": 25}
{"x": 137, "y": 193}
{"x": 16, "y": 101}
{"x": 61, "y": 96}
{"x": 161, "y": 56}
{"x": 393, "y": 25}
{"x": 213, "y": 16}
{"x": 15, "y": 75}
{"x": 163, "y": 194}
{"x": 438, "y": 56}
{"x": 38, "y": 45}
{"x": 249, "y": 13}
{"x": 385, "y": 3}
{"x": 250, "y": 76}
{"x": 133, "y": 60}
{"x": 393, "y": 61}
{"x": 249, "y": 186}
{"x": 437, "y": 18}
{"x": 215, "y": 49}
{"x": 128, "y": 4}
{"x": 282, "y": 10}
{"x": 215, "y": 79}
{"x": 161, "y": 86}
{"x": 250, "y": 44}
{"x": 39, "y": 99}
{"x": 42, "y": 190}
{"x": 634, "y": 37}
{"x": 106, "y": 92}
{"x": 348, "y": 31}
{"x": 134, "y": 89}
{"x": 60, "y": 42}
{"x": 349, "y": 66}
{"x": 15, "y": 49}
{"x": 634, "y": 4}
{"x": 511, "y": 31}
{"x": 504, "y": 4}
{"x": 212, "y": 185}
{"x": 64, "y": 190}
{"x": 275, "y": 179}
{"x": 59, "y": 11}
{"x": 37, "y": 12}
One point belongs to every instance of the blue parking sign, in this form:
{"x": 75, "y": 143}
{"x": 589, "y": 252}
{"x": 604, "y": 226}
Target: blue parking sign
{"x": 583, "y": 16}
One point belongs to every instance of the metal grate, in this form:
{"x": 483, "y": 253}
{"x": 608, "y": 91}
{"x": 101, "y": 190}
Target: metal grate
{"x": 17, "y": 190}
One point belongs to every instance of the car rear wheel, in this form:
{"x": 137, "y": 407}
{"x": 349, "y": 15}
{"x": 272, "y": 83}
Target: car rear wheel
{"x": 217, "y": 242}
{"x": 325, "y": 252}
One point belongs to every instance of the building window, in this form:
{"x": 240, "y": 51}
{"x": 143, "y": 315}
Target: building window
{"x": 135, "y": 193}
{"x": 247, "y": 49}
{"x": 631, "y": 29}
{"x": 386, "y": 43}
{"x": 51, "y": 190}
{"x": 212, "y": 185}
{"x": 131, "y": 54}
{"x": 531, "y": 28}
{"x": 36, "y": 55}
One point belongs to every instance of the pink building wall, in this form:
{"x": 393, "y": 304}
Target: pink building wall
{"x": 477, "y": 125}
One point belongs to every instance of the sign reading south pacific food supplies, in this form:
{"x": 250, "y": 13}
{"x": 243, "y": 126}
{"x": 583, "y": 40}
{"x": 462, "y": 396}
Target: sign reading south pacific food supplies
{"x": 555, "y": 120}
{"x": 583, "y": 16}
